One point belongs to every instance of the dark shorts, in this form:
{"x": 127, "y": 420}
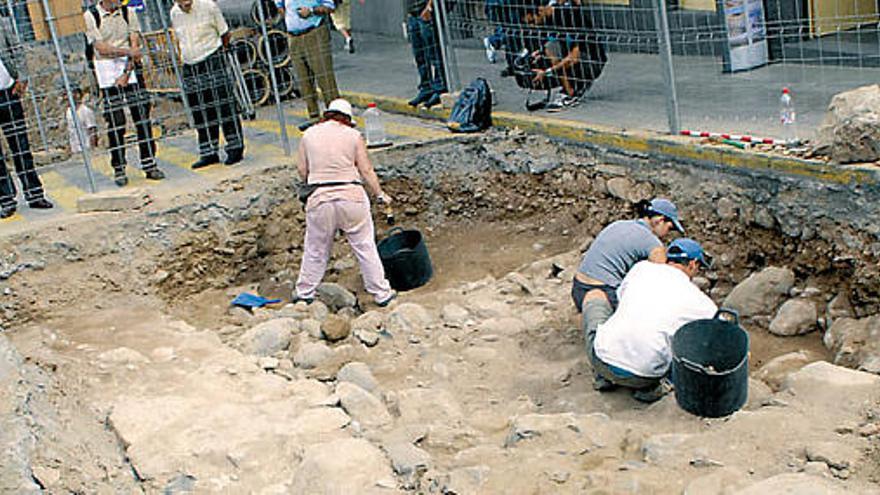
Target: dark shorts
{"x": 580, "y": 289}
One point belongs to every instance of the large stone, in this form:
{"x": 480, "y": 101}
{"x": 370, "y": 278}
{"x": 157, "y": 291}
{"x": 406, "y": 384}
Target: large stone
{"x": 850, "y": 131}
{"x": 454, "y": 315}
{"x": 587, "y": 430}
{"x": 793, "y": 484}
{"x": 839, "y": 307}
{"x": 336, "y": 328}
{"x": 620, "y": 188}
{"x": 723, "y": 481}
{"x": 761, "y": 292}
{"x": 372, "y": 321}
{"x": 666, "y": 449}
{"x": 343, "y": 466}
{"x": 855, "y": 343}
{"x": 502, "y": 326}
{"x": 269, "y": 337}
{"x": 362, "y": 406}
{"x": 837, "y": 455}
{"x": 423, "y": 405}
{"x": 795, "y": 317}
{"x": 312, "y": 355}
{"x": 112, "y": 200}
{"x": 335, "y": 296}
{"x": 826, "y": 385}
{"x": 408, "y": 461}
{"x": 407, "y": 318}
{"x": 775, "y": 371}
{"x": 359, "y": 374}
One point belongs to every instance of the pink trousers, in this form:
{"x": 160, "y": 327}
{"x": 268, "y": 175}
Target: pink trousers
{"x": 354, "y": 220}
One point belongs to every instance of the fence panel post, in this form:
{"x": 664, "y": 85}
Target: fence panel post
{"x": 665, "y": 50}
{"x": 282, "y": 120}
{"x": 80, "y": 132}
{"x": 172, "y": 49}
{"x": 450, "y": 63}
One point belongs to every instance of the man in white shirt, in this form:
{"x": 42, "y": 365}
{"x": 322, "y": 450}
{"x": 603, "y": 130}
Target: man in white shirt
{"x": 113, "y": 33}
{"x": 202, "y": 33}
{"x": 89, "y": 125}
{"x": 13, "y": 85}
{"x": 634, "y": 347}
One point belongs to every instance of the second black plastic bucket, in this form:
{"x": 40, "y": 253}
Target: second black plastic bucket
{"x": 710, "y": 366}
{"x": 405, "y": 258}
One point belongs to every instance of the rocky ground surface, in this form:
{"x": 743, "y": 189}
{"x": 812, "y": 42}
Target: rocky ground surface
{"x": 123, "y": 369}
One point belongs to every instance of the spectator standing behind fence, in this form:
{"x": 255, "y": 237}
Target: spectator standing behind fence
{"x": 334, "y": 155}
{"x": 202, "y": 33}
{"x": 114, "y": 34}
{"x": 12, "y": 122}
{"x": 307, "y": 22}
{"x": 422, "y": 32}
{"x": 342, "y": 20}
{"x": 87, "y": 122}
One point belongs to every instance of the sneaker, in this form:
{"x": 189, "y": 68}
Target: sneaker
{"x": 653, "y": 394}
{"x": 491, "y": 53}
{"x": 206, "y": 161}
{"x": 386, "y": 302}
{"x": 507, "y": 72}
{"x": 433, "y": 100}
{"x": 419, "y": 99}
{"x": 120, "y": 179}
{"x": 349, "y": 45}
{"x": 154, "y": 174}
{"x": 41, "y": 204}
{"x": 562, "y": 102}
{"x": 7, "y": 211}
{"x": 307, "y": 300}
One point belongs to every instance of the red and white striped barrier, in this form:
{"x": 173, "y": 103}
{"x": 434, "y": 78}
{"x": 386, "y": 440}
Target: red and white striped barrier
{"x": 733, "y": 137}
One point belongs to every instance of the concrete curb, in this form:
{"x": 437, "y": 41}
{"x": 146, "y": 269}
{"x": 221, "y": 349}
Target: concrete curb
{"x": 644, "y": 143}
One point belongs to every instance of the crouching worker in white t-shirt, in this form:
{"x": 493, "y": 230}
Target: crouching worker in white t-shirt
{"x": 633, "y": 348}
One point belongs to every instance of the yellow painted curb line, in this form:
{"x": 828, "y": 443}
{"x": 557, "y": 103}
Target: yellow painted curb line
{"x": 643, "y": 142}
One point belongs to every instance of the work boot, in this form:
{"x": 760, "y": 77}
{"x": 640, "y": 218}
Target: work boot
{"x": 386, "y": 302}
{"x": 602, "y": 384}
{"x": 652, "y": 394}
{"x": 41, "y": 204}
{"x": 7, "y": 211}
{"x": 234, "y": 157}
{"x": 419, "y": 99}
{"x": 206, "y": 161}
{"x": 154, "y": 174}
{"x": 433, "y": 100}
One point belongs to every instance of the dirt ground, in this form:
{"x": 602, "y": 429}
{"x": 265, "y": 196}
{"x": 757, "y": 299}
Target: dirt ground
{"x": 146, "y": 385}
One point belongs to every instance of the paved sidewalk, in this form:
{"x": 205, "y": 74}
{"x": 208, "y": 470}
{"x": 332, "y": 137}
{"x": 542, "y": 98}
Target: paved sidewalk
{"x": 65, "y": 182}
{"x": 630, "y": 94}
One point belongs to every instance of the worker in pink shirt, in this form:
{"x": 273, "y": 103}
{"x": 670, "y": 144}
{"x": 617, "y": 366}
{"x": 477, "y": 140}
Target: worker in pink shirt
{"x": 333, "y": 158}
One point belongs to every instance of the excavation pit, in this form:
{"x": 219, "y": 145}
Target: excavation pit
{"x": 139, "y": 376}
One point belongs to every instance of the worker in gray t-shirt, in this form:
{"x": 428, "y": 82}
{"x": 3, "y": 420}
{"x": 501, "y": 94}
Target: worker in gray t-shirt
{"x": 615, "y": 250}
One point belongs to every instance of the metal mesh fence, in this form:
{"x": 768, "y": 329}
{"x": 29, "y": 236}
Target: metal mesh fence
{"x": 705, "y": 65}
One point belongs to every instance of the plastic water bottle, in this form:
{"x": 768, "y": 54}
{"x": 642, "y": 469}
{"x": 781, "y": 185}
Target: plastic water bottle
{"x": 375, "y": 126}
{"x": 788, "y": 117}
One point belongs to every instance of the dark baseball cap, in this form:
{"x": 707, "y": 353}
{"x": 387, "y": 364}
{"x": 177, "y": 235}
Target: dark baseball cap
{"x": 662, "y": 206}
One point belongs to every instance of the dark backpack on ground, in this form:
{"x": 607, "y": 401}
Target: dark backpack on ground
{"x": 473, "y": 109}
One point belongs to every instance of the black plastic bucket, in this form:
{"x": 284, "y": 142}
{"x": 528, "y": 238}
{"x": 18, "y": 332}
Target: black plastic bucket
{"x": 405, "y": 258}
{"x": 710, "y": 366}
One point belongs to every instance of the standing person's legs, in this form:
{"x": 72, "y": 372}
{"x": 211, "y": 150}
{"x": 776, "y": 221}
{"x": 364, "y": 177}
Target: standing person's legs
{"x": 416, "y": 39}
{"x": 195, "y": 99}
{"x": 320, "y": 229}
{"x": 227, "y": 112}
{"x": 321, "y": 61}
{"x": 138, "y": 101}
{"x": 357, "y": 224}
{"x": 114, "y": 115}
{"x": 15, "y": 129}
{"x": 299, "y": 53}
{"x": 438, "y": 82}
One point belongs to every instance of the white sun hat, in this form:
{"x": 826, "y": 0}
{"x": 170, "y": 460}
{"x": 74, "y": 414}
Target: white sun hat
{"x": 340, "y": 105}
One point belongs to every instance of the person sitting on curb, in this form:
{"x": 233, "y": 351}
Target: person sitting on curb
{"x": 633, "y": 348}
{"x": 615, "y": 250}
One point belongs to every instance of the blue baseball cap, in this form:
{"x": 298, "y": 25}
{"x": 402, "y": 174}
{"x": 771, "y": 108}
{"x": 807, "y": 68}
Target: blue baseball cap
{"x": 685, "y": 250}
{"x": 662, "y": 206}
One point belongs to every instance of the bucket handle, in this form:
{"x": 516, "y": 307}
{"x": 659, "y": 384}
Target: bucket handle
{"x": 729, "y": 312}
{"x": 393, "y": 230}
{"x": 699, "y": 368}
